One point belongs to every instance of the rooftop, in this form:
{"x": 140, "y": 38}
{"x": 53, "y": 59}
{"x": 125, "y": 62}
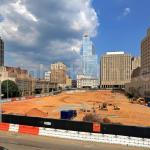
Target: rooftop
{"x": 115, "y": 53}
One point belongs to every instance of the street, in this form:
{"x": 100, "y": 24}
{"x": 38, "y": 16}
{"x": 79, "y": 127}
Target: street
{"x": 13, "y": 141}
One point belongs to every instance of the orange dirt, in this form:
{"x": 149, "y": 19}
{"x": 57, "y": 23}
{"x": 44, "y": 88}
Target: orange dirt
{"x": 129, "y": 114}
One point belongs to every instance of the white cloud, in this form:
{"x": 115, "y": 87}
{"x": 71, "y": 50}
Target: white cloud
{"x": 17, "y": 18}
{"x": 21, "y": 9}
{"x": 126, "y": 11}
{"x": 46, "y": 31}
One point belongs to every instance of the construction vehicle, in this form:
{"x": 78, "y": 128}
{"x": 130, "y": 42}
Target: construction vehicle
{"x": 141, "y": 101}
{"x": 104, "y": 106}
{"x": 133, "y": 100}
{"x": 116, "y": 107}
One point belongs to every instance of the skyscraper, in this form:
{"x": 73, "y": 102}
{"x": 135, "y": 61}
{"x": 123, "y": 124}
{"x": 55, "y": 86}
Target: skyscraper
{"x": 89, "y": 58}
{"x": 145, "y": 54}
{"x": 1, "y": 52}
{"x": 140, "y": 79}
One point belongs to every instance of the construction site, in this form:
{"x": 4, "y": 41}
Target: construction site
{"x": 114, "y": 106}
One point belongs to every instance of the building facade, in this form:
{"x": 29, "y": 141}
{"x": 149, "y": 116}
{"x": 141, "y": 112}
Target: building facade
{"x": 136, "y": 62}
{"x": 115, "y": 70}
{"x": 87, "y": 82}
{"x": 68, "y": 82}
{"x": 26, "y": 84}
{"x": 89, "y": 58}
{"x": 47, "y": 76}
{"x": 145, "y": 54}
{"x": 140, "y": 79}
{"x": 20, "y": 77}
{"x": 74, "y": 83}
{"x": 58, "y": 73}
{"x": 1, "y": 52}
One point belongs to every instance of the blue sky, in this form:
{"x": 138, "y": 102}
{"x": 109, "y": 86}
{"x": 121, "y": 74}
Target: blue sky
{"x": 119, "y": 31}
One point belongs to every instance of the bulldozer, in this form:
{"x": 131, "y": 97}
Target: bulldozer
{"x": 103, "y": 106}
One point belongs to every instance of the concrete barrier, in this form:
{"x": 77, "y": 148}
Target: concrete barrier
{"x": 4, "y": 126}
{"x": 28, "y": 130}
{"x": 75, "y": 135}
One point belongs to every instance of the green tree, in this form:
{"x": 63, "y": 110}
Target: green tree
{"x": 10, "y": 89}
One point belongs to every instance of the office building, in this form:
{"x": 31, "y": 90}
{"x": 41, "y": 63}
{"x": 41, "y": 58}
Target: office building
{"x": 20, "y": 77}
{"x": 136, "y": 62}
{"x": 74, "y": 83}
{"x": 89, "y": 58}
{"x": 1, "y": 52}
{"x": 140, "y": 79}
{"x": 87, "y": 82}
{"x": 68, "y": 81}
{"x": 58, "y": 73}
{"x": 26, "y": 84}
{"x": 115, "y": 70}
{"x": 145, "y": 54}
{"x": 47, "y": 76}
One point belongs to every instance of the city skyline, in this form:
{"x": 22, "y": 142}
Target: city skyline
{"x": 49, "y": 45}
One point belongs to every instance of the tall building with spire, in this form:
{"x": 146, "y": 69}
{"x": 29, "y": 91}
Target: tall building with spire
{"x": 89, "y": 58}
{"x": 1, "y": 52}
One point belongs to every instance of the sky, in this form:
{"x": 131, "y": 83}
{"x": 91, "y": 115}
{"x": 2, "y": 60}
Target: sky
{"x": 38, "y": 33}
{"x": 123, "y": 24}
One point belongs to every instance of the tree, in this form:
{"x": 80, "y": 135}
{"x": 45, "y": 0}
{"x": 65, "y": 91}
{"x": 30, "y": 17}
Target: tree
{"x": 10, "y": 89}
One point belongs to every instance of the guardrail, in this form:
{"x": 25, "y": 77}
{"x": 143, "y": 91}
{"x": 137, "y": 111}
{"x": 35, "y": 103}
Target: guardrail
{"x": 75, "y": 135}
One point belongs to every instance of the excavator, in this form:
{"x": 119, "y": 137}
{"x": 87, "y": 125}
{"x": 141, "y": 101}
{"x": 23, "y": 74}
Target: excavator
{"x": 140, "y": 100}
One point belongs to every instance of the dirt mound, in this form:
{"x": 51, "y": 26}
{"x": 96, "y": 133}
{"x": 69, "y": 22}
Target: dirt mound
{"x": 36, "y": 112}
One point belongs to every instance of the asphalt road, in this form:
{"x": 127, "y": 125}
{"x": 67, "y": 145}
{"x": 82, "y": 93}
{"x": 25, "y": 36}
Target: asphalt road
{"x": 14, "y": 141}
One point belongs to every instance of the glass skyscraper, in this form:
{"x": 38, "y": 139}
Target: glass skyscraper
{"x": 89, "y": 58}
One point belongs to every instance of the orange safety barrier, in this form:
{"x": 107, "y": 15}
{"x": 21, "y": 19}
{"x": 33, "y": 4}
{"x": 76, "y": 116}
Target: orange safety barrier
{"x": 4, "y": 126}
{"x": 28, "y": 130}
{"x": 96, "y": 127}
